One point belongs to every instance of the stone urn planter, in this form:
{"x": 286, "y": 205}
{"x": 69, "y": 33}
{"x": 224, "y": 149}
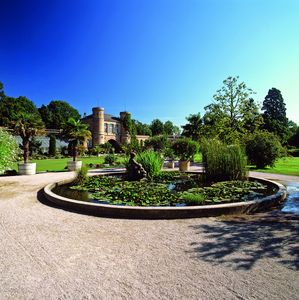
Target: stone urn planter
{"x": 184, "y": 165}
{"x": 74, "y": 165}
{"x": 27, "y": 168}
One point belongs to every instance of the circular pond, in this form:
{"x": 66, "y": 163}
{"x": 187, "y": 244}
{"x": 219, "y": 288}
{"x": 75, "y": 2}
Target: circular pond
{"x": 170, "y": 195}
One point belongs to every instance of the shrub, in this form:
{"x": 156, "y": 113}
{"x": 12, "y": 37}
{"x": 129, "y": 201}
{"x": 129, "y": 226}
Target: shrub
{"x": 8, "y": 150}
{"x": 110, "y": 159}
{"x": 81, "y": 177}
{"x": 157, "y": 143}
{"x": 151, "y": 162}
{"x": 223, "y": 162}
{"x": 185, "y": 148}
{"x": 52, "y": 145}
{"x": 263, "y": 148}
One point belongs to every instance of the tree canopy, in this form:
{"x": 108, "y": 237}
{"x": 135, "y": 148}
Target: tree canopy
{"x": 157, "y": 127}
{"x": 11, "y": 108}
{"x": 232, "y": 112}
{"x": 193, "y": 128}
{"x": 56, "y": 113}
{"x": 274, "y": 115}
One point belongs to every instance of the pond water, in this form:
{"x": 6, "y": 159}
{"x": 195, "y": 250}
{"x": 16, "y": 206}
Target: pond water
{"x": 291, "y": 205}
{"x": 179, "y": 185}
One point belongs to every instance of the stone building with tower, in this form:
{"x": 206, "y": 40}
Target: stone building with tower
{"x": 107, "y": 128}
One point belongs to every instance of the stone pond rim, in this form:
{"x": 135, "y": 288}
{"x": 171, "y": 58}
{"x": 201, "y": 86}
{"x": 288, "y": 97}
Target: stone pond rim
{"x": 139, "y": 212}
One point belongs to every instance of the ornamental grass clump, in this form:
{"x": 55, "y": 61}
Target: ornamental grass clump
{"x": 223, "y": 162}
{"x": 151, "y": 162}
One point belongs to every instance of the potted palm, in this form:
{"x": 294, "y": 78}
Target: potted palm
{"x": 170, "y": 157}
{"x": 185, "y": 149}
{"x": 27, "y": 126}
{"x": 75, "y": 132}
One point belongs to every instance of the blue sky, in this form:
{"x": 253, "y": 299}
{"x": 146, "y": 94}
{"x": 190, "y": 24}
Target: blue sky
{"x": 155, "y": 58}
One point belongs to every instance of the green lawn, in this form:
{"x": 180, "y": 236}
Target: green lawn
{"x": 58, "y": 165}
{"x": 286, "y": 166}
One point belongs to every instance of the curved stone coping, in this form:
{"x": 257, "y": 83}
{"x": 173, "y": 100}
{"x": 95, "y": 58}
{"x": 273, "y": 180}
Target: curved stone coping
{"x": 138, "y": 212}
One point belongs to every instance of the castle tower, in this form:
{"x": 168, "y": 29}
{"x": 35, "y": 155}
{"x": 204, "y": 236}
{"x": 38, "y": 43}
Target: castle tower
{"x": 98, "y": 136}
{"x": 125, "y": 136}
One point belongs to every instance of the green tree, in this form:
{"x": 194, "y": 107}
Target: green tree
{"x": 274, "y": 115}
{"x": 27, "y": 126}
{"x": 75, "y": 131}
{"x": 8, "y": 150}
{"x": 229, "y": 109}
{"x": 11, "y": 108}
{"x": 170, "y": 129}
{"x": 141, "y": 128}
{"x": 262, "y": 148}
{"x": 157, "y": 127}
{"x": 157, "y": 143}
{"x": 193, "y": 128}
{"x": 57, "y": 112}
{"x": 52, "y": 145}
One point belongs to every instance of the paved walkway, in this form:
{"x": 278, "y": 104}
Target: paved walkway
{"x": 49, "y": 253}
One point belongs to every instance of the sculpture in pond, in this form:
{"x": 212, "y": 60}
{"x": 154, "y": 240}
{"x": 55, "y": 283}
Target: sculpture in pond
{"x": 135, "y": 170}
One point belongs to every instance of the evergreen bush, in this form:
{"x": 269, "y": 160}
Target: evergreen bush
{"x": 263, "y": 148}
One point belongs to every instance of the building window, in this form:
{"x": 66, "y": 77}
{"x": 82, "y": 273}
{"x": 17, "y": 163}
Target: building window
{"x": 106, "y": 127}
{"x": 111, "y": 128}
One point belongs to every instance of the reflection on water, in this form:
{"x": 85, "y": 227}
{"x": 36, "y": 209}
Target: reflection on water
{"x": 291, "y": 205}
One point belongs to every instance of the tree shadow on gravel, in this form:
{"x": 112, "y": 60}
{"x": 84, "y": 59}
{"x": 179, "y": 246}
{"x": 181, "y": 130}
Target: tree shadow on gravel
{"x": 239, "y": 242}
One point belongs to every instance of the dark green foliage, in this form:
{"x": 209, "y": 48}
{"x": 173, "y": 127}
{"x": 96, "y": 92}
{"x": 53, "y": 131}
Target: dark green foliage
{"x": 52, "y": 145}
{"x": 185, "y": 148}
{"x": 275, "y": 118}
{"x": 142, "y": 129}
{"x": 151, "y": 162}
{"x": 223, "y": 162}
{"x": 27, "y": 126}
{"x": 110, "y": 159}
{"x": 194, "y": 127}
{"x": 157, "y": 143}
{"x": 224, "y": 192}
{"x": 75, "y": 132}
{"x": 11, "y": 108}
{"x": 170, "y": 129}
{"x": 262, "y": 149}
{"x": 129, "y": 124}
{"x": 56, "y": 113}
{"x": 294, "y": 139}
{"x": 157, "y": 127}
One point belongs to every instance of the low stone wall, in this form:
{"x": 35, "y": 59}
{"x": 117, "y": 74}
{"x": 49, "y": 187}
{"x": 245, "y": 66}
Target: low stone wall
{"x": 137, "y": 212}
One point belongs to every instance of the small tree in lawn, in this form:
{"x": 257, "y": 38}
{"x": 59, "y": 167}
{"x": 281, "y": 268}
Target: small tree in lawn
{"x": 52, "y": 145}
{"x": 76, "y": 131}
{"x": 28, "y": 126}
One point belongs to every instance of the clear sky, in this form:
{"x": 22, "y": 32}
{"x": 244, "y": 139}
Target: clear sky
{"x": 155, "y": 58}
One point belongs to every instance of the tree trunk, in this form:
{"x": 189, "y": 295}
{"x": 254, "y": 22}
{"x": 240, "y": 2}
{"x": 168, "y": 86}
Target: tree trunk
{"x": 26, "y": 150}
{"x": 74, "y": 150}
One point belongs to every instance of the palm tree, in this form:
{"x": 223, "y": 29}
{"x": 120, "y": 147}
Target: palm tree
{"x": 75, "y": 131}
{"x": 27, "y": 126}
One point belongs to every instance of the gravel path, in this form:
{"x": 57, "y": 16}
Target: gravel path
{"x": 49, "y": 253}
